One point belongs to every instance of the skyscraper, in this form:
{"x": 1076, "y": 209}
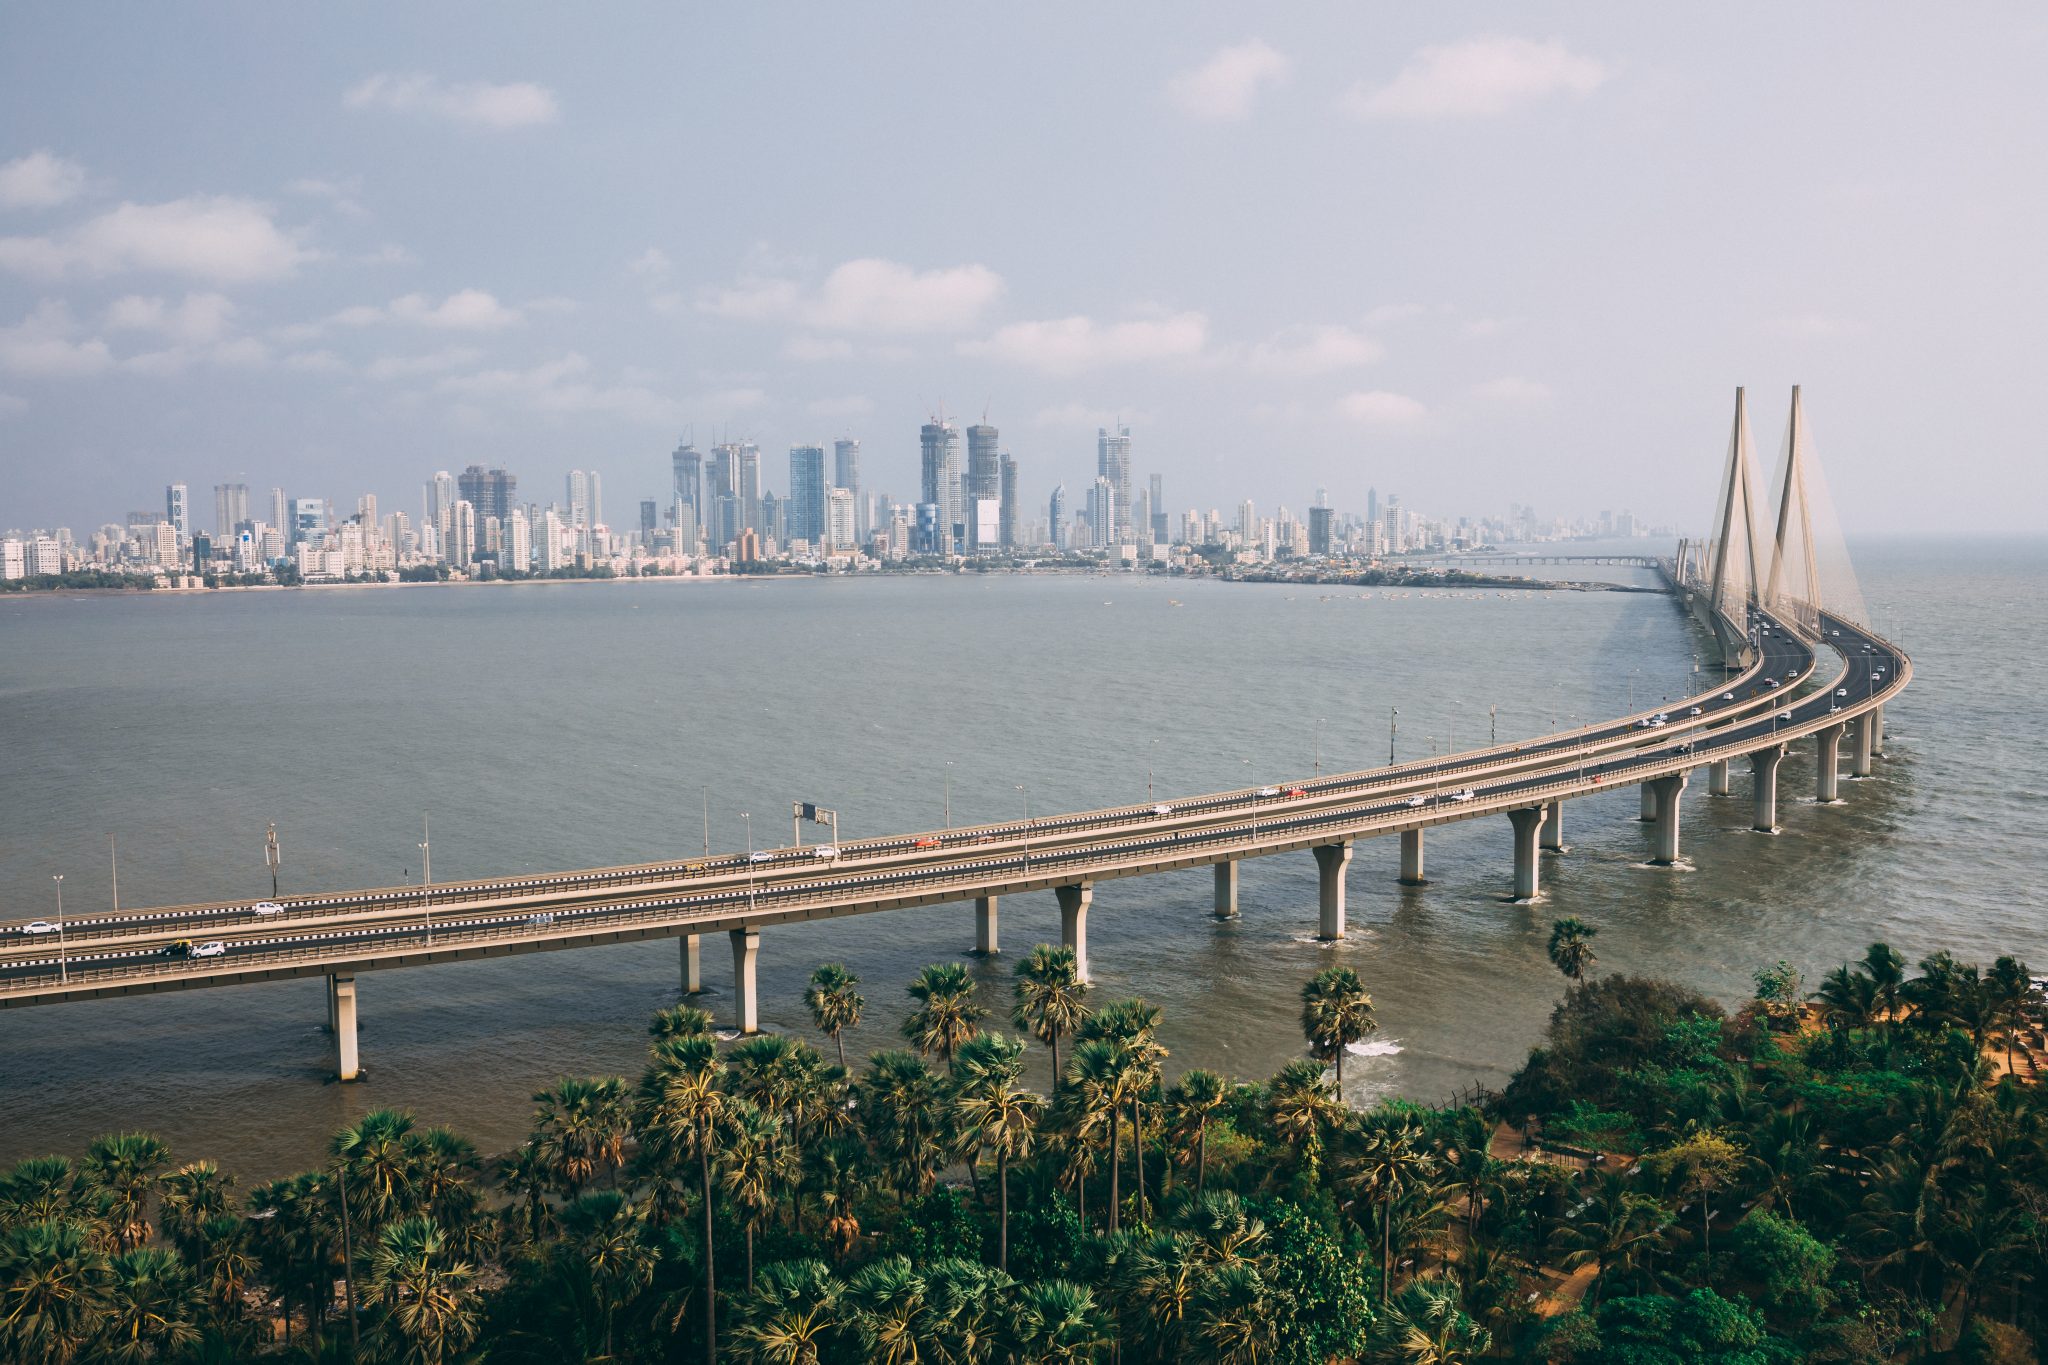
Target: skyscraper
{"x": 687, "y": 466}
{"x": 1319, "y": 530}
{"x": 984, "y": 484}
{"x": 939, "y": 466}
{"x": 1009, "y": 496}
{"x": 490, "y": 492}
{"x": 441, "y": 504}
{"x": 462, "y": 540}
{"x": 1372, "y": 505}
{"x": 1102, "y": 512}
{"x": 1113, "y": 462}
{"x": 1158, "y": 490}
{"x": 846, "y": 474}
{"x": 178, "y": 509}
{"x": 230, "y": 507}
{"x": 1056, "y": 517}
{"x": 517, "y": 534}
{"x": 650, "y": 518}
{"x": 308, "y": 521}
{"x": 807, "y": 494}
{"x": 280, "y": 512}
{"x": 839, "y": 530}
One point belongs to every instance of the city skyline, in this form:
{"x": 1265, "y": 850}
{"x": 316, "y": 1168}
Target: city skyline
{"x": 1450, "y": 271}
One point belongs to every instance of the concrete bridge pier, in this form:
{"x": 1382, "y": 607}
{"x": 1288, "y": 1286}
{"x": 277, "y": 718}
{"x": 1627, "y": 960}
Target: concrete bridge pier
{"x": 1669, "y": 790}
{"x": 1717, "y": 777}
{"x": 1528, "y": 823}
{"x": 746, "y": 951}
{"x": 330, "y": 1003}
{"x": 1828, "y": 775}
{"x": 1859, "y": 746}
{"x": 692, "y": 954}
{"x": 1877, "y": 730}
{"x": 985, "y": 943}
{"x": 1226, "y": 890}
{"x": 1552, "y": 839}
{"x": 1764, "y": 765}
{"x": 1331, "y": 862}
{"x": 1647, "y": 812}
{"x": 341, "y": 1007}
{"x": 1411, "y": 858}
{"x": 1074, "y": 902}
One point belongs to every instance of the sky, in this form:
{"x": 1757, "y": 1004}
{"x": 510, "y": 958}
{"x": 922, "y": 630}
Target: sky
{"x": 1473, "y": 255}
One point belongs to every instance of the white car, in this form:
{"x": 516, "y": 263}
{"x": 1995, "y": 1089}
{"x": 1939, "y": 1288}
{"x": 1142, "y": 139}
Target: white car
{"x": 1727, "y": 696}
{"x": 1655, "y": 722}
{"x": 1772, "y": 681}
{"x": 1268, "y": 791}
{"x": 764, "y": 856}
{"x": 540, "y": 919}
{"x": 39, "y": 926}
{"x": 265, "y": 909}
{"x": 1841, "y": 691}
{"x": 824, "y": 851}
{"x": 1162, "y": 810}
{"x": 209, "y": 949}
{"x": 1465, "y": 795}
{"x": 1695, "y": 711}
{"x": 1418, "y": 800}
{"x": 1875, "y": 677}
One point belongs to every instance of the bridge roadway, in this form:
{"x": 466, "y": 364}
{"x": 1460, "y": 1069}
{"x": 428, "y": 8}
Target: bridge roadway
{"x": 338, "y": 936}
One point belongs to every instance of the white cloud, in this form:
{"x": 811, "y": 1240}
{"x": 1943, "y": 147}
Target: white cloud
{"x": 212, "y": 237}
{"x": 340, "y": 193}
{"x": 391, "y": 253}
{"x": 1313, "y": 350}
{"x": 1067, "y": 345}
{"x": 817, "y": 348}
{"x": 1477, "y": 78}
{"x": 519, "y": 104}
{"x": 563, "y": 387}
{"x": 853, "y": 405}
{"x": 242, "y": 353}
{"x": 39, "y": 180}
{"x": 200, "y": 318}
{"x": 413, "y": 366}
{"x": 314, "y": 362}
{"x": 43, "y": 345}
{"x": 1485, "y": 328}
{"x": 651, "y": 264}
{"x": 466, "y": 310}
{"x": 866, "y": 295}
{"x": 1379, "y": 408}
{"x": 1224, "y": 88}
{"x": 1514, "y": 389}
{"x": 1389, "y": 313}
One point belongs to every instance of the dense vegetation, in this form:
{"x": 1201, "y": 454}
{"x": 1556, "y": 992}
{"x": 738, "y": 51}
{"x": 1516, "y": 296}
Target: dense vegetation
{"x": 1661, "y": 1184}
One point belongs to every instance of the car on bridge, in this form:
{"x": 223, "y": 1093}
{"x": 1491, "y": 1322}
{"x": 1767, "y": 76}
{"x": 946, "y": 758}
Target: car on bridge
{"x": 40, "y": 926}
{"x": 1466, "y": 795}
{"x": 266, "y": 909}
{"x": 1418, "y": 800}
{"x": 824, "y": 851}
{"x": 926, "y": 842}
{"x": 764, "y": 856}
{"x": 1841, "y": 692}
{"x": 1267, "y": 791}
{"x": 1162, "y": 809}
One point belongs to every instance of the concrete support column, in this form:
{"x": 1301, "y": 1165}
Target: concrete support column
{"x": 1828, "y": 783}
{"x": 1528, "y": 823}
{"x": 1074, "y": 902}
{"x": 1411, "y": 858}
{"x": 1717, "y": 777}
{"x": 1764, "y": 765}
{"x": 985, "y": 942}
{"x": 330, "y": 1002}
{"x": 1877, "y": 730}
{"x": 1647, "y": 812}
{"x": 1552, "y": 839}
{"x": 1859, "y": 746}
{"x": 746, "y": 949}
{"x": 344, "y": 1000}
{"x": 1226, "y": 890}
{"x": 1331, "y": 862}
{"x": 692, "y": 953}
{"x": 1668, "y": 790}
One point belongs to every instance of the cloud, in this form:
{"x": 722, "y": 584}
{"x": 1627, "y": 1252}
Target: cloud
{"x": 1477, "y": 78}
{"x": 1224, "y": 88}
{"x": 1084, "y": 415}
{"x": 39, "y": 180}
{"x": 1378, "y": 408}
{"x": 391, "y": 253}
{"x": 651, "y": 264}
{"x": 1513, "y": 389}
{"x": 1389, "y": 313}
{"x": 200, "y": 318}
{"x": 1313, "y": 350}
{"x": 817, "y": 348}
{"x": 519, "y": 104}
{"x": 853, "y": 405}
{"x": 340, "y": 193}
{"x": 563, "y": 387}
{"x": 466, "y": 310}
{"x": 1484, "y": 328}
{"x": 413, "y": 366}
{"x": 866, "y": 295}
{"x": 1067, "y": 345}
{"x": 211, "y": 237}
{"x": 11, "y": 404}
{"x": 43, "y": 345}
{"x": 242, "y": 353}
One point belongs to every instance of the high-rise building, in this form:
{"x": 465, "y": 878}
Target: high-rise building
{"x": 1113, "y": 462}
{"x": 280, "y": 511}
{"x": 308, "y": 522}
{"x": 1158, "y": 492}
{"x": 939, "y": 469}
{"x": 462, "y": 534}
{"x": 489, "y": 491}
{"x": 807, "y": 494}
{"x": 1009, "y": 536}
{"x": 1056, "y": 517}
{"x": 1102, "y": 513}
{"x": 687, "y": 467}
{"x": 230, "y": 507}
{"x": 746, "y": 474}
{"x": 650, "y": 518}
{"x": 441, "y": 504}
{"x": 984, "y": 484}
{"x": 13, "y": 560}
{"x": 1247, "y": 521}
{"x": 846, "y": 474}
{"x": 517, "y": 538}
{"x": 177, "y": 508}
{"x": 1319, "y": 530}
{"x": 839, "y": 528}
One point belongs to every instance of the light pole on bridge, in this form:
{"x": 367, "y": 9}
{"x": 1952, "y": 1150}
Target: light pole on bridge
{"x": 748, "y": 820}
{"x": 1393, "y": 729}
{"x": 63, "y": 957}
{"x": 1319, "y": 745}
{"x": 427, "y": 875}
{"x": 272, "y": 857}
{"x": 1027, "y": 825}
{"x": 949, "y": 793}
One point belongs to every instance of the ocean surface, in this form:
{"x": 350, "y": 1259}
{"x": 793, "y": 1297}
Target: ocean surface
{"x": 555, "y": 726}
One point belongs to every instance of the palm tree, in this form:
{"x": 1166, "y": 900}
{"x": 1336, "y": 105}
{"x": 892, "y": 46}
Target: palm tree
{"x": 759, "y": 1165}
{"x": 837, "y": 1176}
{"x": 425, "y": 1295}
{"x": 680, "y": 1021}
{"x": 581, "y": 1128}
{"x": 1887, "y": 972}
{"x": 1428, "y": 1325}
{"x": 1301, "y": 1106}
{"x": 1848, "y": 999}
{"x": 378, "y": 1156}
{"x": 125, "y": 1166}
{"x": 971, "y": 1305}
{"x": 1134, "y": 1026}
{"x": 994, "y": 1114}
{"x": 891, "y": 1316}
{"x": 790, "y": 1317}
{"x": 764, "y": 1071}
{"x": 1571, "y": 948}
{"x": 42, "y": 1188}
{"x": 1229, "y": 1235}
{"x": 2015, "y": 999}
{"x": 1619, "y": 1226}
{"x": 56, "y": 1292}
{"x": 193, "y": 1195}
{"x": 1233, "y": 1319}
{"x": 1156, "y": 1286}
{"x": 1058, "y": 1324}
{"x": 1191, "y": 1104}
{"x": 1392, "y": 1161}
{"x": 228, "y": 1266}
{"x": 152, "y": 1306}
{"x": 1102, "y": 1074}
{"x": 607, "y": 1235}
{"x": 1335, "y": 1013}
{"x": 947, "y": 1012}
{"x": 1051, "y": 998}
{"x": 834, "y": 1003}
{"x": 681, "y": 1119}
{"x": 904, "y": 1111}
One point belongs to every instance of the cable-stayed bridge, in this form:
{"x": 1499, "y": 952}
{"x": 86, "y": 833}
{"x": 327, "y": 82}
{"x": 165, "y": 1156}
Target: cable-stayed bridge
{"x": 1770, "y": 580}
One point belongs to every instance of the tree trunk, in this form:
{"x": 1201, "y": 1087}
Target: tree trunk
{"x": 1201, "y": 1155}
{"x": 1055, "y": 1064}
{"x": 1116, "y": 1156}
{"x": 1138, "y": 1153}
{"x": 839, "y": 1042}
{"x": 1340, "y": 1073}
{"x": 750, "y": 1255}
{"x": 1003, "y": 1213}
{"x": 710, "y": 1269}
{"x": 1386, "y": 1247}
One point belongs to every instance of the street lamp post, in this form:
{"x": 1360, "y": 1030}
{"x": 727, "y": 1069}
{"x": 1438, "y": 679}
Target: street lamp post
{"x": 63, "y": 958}
{"x": 427, "y": 875}
{"x": 114, "y": 859}
{"x": 707, "y": 822}
{"x": 748, "y": 821}
{"x": 1319, "y": 745}
{"x": 949, "y": 793}
{"x": 1027, "y": 825}
{"x": 1393, "y": 729}
{"x": 1492, "y": 726}
{"x": 272, "y": 857}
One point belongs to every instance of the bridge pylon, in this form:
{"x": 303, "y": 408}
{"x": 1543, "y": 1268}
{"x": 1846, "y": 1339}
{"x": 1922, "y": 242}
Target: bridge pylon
{"x": 1809, "y": 563}
{"x": 1733, "y": 566}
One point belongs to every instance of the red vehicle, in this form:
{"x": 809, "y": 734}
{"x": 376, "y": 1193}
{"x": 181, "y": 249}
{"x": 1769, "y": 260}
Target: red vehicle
{"x": 926, "y": 843}
{"x": 1297, "y": 791}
